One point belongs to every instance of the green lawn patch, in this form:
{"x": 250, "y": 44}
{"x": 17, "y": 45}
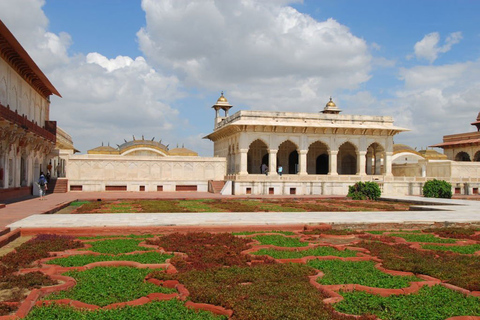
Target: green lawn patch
{"x": 432, "y": 303}
{"x": 280, "y": 241}
{"x": 84, "y": 259}
{"x": 106, "y": 285}
{"x": 117, "y": 246}
{"x": 78, "y": 203}
{"x": 358, "y": 272}
{"x": 469, "y": 249}
{"x": 318, "y": 251}
{"x": 163, "y": 310}
{"x": 201, "y": 205}
{"x": 414, "y": 237}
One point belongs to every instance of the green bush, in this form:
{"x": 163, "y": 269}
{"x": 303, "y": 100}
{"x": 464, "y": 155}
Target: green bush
{"x": 437, "y": 189}
{"x": 364, "y": 191}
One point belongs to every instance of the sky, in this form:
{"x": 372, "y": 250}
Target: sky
{"x": 154, "y": 68}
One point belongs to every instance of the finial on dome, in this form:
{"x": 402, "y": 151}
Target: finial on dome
{"x": 331, "y": 107}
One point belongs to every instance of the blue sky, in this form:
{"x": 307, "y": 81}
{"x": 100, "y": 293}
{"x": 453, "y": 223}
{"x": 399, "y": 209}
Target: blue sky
{"x": 155, "y": 67}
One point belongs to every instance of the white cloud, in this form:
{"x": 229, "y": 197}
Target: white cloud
{"x": 428, "y": 48}
{"x": 264, "y": 54}
{"x": 103, "y": 99}
{"x": 436, "y": 101}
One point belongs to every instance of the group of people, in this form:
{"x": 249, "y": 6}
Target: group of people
{"x": 264, "y": 169}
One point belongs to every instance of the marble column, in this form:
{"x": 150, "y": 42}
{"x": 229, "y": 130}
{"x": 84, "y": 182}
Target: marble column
{"x": 243, "y": 162}
{"x": 332, "y": 162}
{"x": 272, "y": 162}
{"x": 361, "y": 160}
{"x": 302, "y": 154}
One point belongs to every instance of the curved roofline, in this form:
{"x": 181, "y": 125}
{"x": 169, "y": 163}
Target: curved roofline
{"x": 133, "y": 148}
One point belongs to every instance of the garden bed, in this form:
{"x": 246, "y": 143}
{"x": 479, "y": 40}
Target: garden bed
{"x": 249, "y": 275}
{"x": 232, "y": 205}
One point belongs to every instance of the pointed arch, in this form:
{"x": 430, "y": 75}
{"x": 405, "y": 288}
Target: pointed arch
{"x": 317, "y": 158}
{"x": 287, "y": 157}
{"x": 375, "y": 159}
{"x": 257, "y": 156}
{"x": 347, "y": 158}
{"x": 462, "y": 156}
{"x": 477, "y": 156}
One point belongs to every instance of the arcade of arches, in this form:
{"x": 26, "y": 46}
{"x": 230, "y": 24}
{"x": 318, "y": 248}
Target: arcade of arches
{"x": 319, "y": 159}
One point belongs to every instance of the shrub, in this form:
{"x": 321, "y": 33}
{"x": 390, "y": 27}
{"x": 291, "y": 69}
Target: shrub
{"x": 364, "y": 191}
{"x": 437, "y": 189}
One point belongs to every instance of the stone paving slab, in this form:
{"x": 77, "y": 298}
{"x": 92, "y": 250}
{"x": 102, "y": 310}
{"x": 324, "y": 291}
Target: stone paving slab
{"x": 460, "y": 211}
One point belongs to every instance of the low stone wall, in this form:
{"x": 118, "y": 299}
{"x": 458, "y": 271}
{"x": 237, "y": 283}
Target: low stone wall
{"x": 150, "y": 174}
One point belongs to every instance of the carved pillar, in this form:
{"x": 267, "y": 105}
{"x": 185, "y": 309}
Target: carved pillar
{"x": 332, "y": 162}
{"x": 361, "y": 160}
{"x": 272, "y": 162}
{"x": 302, "y": 154}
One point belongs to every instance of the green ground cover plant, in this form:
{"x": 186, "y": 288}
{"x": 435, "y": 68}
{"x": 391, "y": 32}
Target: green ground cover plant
{"x": 204, "y": 250}
{"x": 37, "y": 248}
{"x": 358, "y": 272}
{"x": 201, "y": 205}
{"x": 280, "y": 241}
{"x": 414, "y": 237}
{"x": 375, "y": 232}
{"x": 14, "y": 287}
{"x": 106, "y": 285}
{"x": 468, "y": 249}
{"x": 267, "y": 292}
{"x": 429, "y": 303}
{"x": 459, "y": 270}
{"x": 164, "y": 310}
{"x": 247, "y": 233}
{"x": 78, "y": 203}
{"x": 117, "y": 246}
{"x": 84, "y": 259}
{"x": 318, "y": 251}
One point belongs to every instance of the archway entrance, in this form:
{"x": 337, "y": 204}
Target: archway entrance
{"x": 287, "y": 157}
{"x": 462, "y": 156}
{"x": 322, "y": 164}
{"x": 375, "y": 159}
{"x": 347, "y": 159}
{"x": 477, "y": 156}
{"x": 256, "y": 156}
{"x": 317, "y": 158}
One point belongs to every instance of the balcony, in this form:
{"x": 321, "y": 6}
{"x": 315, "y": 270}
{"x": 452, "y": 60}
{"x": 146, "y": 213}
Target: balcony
{"x": 48, "y": 132}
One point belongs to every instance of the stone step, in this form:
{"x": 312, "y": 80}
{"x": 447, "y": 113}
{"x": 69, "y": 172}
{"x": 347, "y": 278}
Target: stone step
{"x": 216, "y": 186}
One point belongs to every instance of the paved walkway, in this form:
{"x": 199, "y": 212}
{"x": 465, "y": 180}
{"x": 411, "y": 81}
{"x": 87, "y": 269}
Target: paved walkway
{"x": 29, "y": 213}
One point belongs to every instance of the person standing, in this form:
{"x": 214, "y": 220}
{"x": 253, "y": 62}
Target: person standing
{"x": 42, "y": 184}
{"x": 280, "y": 170}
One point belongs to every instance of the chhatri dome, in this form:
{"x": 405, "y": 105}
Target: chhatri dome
{"x": 222, "y": 103}
{"x": 331, "y": 108}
